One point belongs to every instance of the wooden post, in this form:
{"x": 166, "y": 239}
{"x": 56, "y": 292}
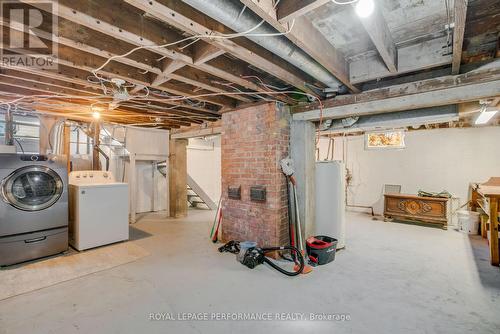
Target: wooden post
{"x": 178, "y": 178}
{"x": 67, "y": 145}
{"x": 96, "y": 163}
{"x": 494, "y": 256}
{"x": 9, "y": 128}
{"x": 132, "y": 183}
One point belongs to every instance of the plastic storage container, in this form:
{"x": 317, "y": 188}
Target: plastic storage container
{"x": 468, "y": 221}
{"x": 321, "y": 249}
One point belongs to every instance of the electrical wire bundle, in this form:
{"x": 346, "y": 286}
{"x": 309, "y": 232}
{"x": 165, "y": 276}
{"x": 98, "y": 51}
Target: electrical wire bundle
{"x": 109, "y": 87}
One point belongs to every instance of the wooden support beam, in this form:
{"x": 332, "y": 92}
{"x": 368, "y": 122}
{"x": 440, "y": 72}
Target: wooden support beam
{"x": 179, "y": 59}
{"x": 48, "y": 89}
{"x": 76, "y": 79}
{"x": 494, "y": 207}
{"x": 169, "y": 67}
{"x": 137, "y": 89}
{"x": 127, "y": 73}
{"x": 178, "y": 178}
{"x": 308, "y": 38}
{"x": 48, "y": 84}
{"x": 205, "y": 52}
{"x": 40, "y": 88}
{"x": 96, "y": 141}
{"x": 67, "y": 145}
{"x": 446, "y": 90}
{"x": 69, "y": 58}
{"x": 380, "y": 35}
{"x": 460, "y": 13}
{"x": 292, "y": 9}
{"x": 194, "y": 131}
{"x": 232, "y": 72}
{"x": 179, "y": 21}
{"x": 121, "y": 33}
{"x": 425, "y": 55}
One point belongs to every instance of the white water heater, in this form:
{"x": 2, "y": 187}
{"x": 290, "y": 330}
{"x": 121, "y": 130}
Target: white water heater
{"x": 330, "y": 200}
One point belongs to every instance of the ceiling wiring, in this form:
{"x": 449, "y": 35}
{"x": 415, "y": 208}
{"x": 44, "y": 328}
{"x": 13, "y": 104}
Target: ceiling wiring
{"x": 110, "y": 88}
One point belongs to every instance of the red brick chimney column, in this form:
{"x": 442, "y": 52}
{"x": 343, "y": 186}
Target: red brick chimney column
{"x": 254, "y": 140}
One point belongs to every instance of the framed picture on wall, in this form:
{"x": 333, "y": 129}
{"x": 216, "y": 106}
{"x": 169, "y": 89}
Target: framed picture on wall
{"x": 389, "y": 139}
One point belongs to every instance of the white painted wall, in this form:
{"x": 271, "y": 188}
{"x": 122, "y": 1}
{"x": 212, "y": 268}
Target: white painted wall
{"x": 204, "y": 165}
{"x": 434, "y": 160}
{"x": 152, "y": 186}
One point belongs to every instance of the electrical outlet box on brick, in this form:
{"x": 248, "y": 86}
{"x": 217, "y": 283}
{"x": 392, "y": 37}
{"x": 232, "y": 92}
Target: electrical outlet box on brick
{"x": 234, "y": 193}
{"x": 258, "y": 194}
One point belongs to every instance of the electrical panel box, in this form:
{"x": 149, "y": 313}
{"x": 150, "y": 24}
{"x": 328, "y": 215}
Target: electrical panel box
{"x": 258, "y": 193}
{"x": 234, "y": 192}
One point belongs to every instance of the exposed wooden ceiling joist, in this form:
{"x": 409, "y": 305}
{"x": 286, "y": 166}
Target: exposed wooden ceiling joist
{"x": 195, "y": 131}
{"x": 425, "y": 55}
{"x": 307, "y": 37}
{"x": 61, "y": 92}
{"x": 78, "y": 77}
{"x": 170, "y": 16}
{"x": 148, "y": 38}
{"x": 379, "y": 33}
{"x": 292, "y": 9}
{"x": 70, "y": 58}
{"x": 460, "y": 13}
{"x": 122, "y": 34}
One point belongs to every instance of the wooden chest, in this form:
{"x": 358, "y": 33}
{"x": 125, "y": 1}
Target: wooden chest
{"x": 416, "y": 208}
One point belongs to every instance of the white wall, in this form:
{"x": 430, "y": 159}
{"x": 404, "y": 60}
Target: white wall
{"x": 434, "y": 160}
{"x": 204, "y": 165}
{"x": 152, "y": 187}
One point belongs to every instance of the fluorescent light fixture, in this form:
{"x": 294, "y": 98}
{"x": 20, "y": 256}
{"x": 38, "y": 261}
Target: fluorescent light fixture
{"x": 96, "y": 115}
{"x": 486, "y": 115}
{"x": 364, "y": 8}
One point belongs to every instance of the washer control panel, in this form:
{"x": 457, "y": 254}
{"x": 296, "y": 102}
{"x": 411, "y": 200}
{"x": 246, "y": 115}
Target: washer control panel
{"x": 91, "y": 177}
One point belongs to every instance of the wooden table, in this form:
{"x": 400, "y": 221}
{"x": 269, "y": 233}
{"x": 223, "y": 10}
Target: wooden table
{"x": 491, "y": 194}
{"x": 433, "y": 210}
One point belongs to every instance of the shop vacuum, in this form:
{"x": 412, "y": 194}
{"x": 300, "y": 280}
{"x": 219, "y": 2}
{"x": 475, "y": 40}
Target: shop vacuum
{"x": 248, "y": 254}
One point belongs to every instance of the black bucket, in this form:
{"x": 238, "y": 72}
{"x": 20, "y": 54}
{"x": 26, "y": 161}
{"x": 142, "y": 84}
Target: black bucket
{"x": 321, "y": 249}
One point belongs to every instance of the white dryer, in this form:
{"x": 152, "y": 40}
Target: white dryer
{"x": 98, "y": 209}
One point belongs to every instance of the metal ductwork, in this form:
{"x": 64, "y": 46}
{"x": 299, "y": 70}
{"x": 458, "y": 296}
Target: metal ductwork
{"x": 233, "y": 15}
{"x": 398, "y": 119}
{"x": 56, "y": 138}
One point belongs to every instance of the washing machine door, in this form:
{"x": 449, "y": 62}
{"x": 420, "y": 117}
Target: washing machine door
{"x": 32, "y": 188}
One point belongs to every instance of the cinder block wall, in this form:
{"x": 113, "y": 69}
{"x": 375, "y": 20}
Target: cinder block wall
{"x": 254, "y": 140}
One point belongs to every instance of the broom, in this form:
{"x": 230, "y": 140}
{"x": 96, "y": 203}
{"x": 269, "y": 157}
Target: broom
{"x": 215, "y": 219}
{"x": 300, "y": 245}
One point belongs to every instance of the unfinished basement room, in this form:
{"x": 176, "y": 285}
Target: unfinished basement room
{"x": 250, "y": 166}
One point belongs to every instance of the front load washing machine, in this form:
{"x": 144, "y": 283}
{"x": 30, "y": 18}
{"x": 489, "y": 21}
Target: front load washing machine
{"x": 33, "y": 207}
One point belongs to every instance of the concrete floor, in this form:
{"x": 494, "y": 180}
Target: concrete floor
{"x": 392, "y": 278}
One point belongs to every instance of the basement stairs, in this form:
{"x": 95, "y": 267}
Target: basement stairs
{"x": 197, "y": 198}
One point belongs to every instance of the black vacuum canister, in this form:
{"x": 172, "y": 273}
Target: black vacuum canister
{"x": 321, "y": 249}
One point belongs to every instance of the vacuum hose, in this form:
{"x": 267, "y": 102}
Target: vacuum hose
{"x": 293, "y": 250}
{"x": 255, "y": 256}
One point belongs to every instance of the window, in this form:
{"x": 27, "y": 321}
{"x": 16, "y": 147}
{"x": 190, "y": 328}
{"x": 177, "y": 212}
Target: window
{"x": 26, "y": 132}
{"x": 394, "y": 139}
{"x": 80, "y": 143}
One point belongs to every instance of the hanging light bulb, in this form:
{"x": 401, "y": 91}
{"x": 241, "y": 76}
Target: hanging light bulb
{"x": 364, "y": 8}
{"x": 96, "y": 115}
